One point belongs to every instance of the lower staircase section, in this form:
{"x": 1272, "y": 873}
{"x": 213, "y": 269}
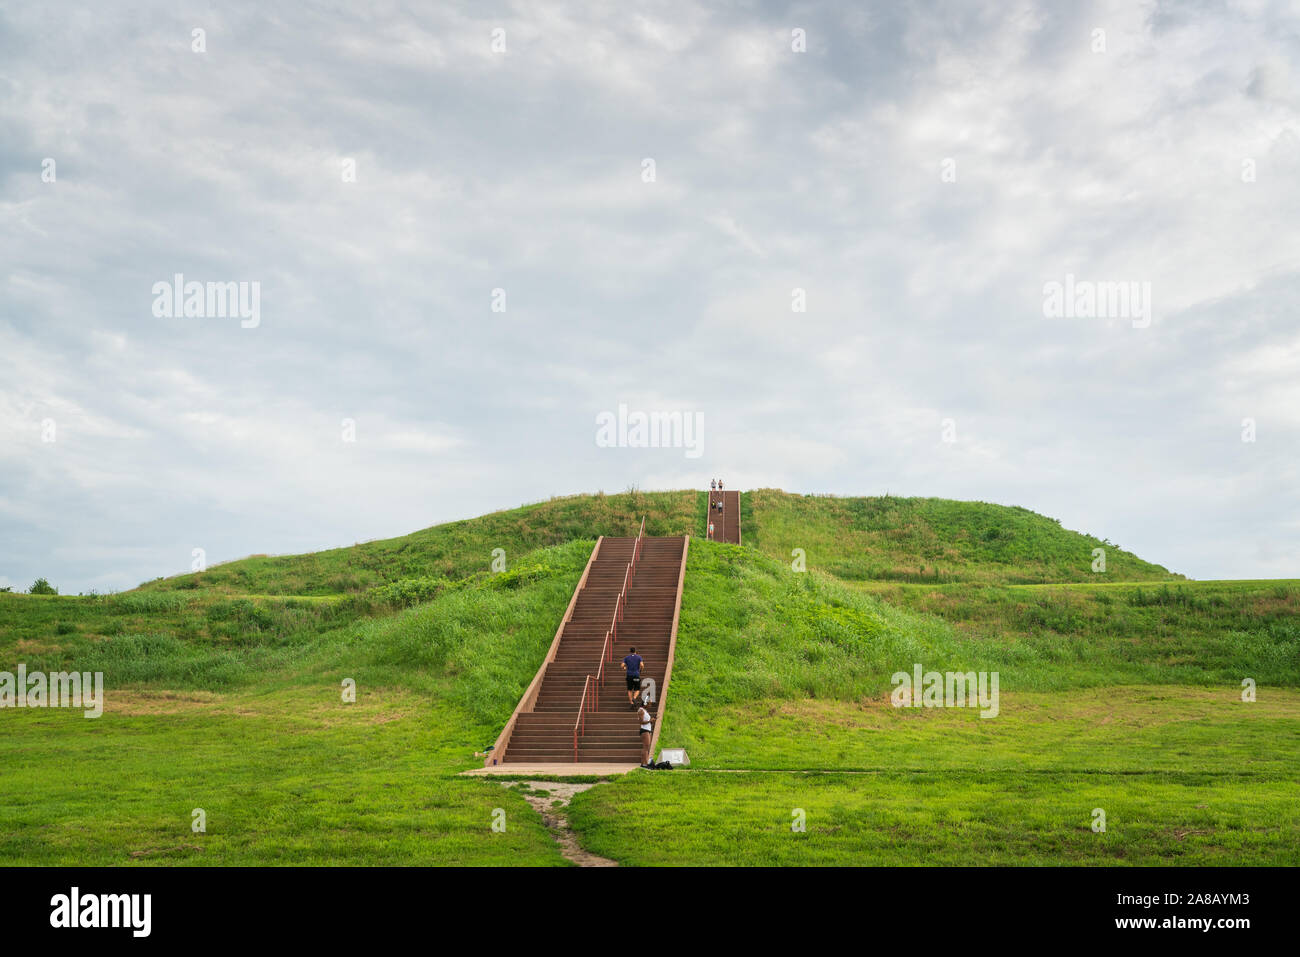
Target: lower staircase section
{"x": 576, "y": 710}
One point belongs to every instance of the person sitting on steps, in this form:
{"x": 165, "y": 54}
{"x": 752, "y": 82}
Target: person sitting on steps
{"x": 632, "y": 665}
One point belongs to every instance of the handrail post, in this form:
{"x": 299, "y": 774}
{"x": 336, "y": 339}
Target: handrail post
{"x": 605, "y": 656}
{"x": 581, "y": 721}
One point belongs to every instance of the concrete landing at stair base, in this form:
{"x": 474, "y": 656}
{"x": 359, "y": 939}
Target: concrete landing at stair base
{"x": 589, "y": 769}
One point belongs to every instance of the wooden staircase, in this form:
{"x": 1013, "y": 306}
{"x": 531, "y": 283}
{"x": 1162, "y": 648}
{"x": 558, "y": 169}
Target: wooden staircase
{"x": 576, "y": 710}
{"x": 726, "y": 528}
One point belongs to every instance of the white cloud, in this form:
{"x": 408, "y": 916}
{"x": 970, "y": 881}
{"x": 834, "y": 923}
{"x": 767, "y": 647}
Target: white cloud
{"x": 776, "y": 170}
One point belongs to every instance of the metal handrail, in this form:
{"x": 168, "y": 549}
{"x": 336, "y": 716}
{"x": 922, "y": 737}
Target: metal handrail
{"x": 588, "y": 689}
{"x": 591, "y": 687}
{"x": 600, "y": 669}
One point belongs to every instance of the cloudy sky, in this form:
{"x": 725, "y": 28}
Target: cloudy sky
{"x": 921, "y": 172}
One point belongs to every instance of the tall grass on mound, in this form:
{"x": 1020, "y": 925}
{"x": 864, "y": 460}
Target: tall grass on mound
{"x": 476, "y": 647}
{"x": 141, "y": 640}
{"x": 751, "y": 628}
{"x": 1186, "y": 632}
{"x": 164, "y": 660}
{"x": 452, "y": 551}
{"x": 887, "y": 538}
{"x": 208, "y": 632}
{"x": 476, "y": 644}
{"x": 146, "y": 603}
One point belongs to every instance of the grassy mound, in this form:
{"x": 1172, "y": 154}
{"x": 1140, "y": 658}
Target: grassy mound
{"x": 756, "y": 636}
{"x": 477, "y": 642}
{"x": 451, "y": 551}
{"x": 930, "y": 540}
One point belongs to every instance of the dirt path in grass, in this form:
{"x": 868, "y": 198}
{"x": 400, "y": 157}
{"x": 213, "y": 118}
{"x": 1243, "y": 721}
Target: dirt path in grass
{"x": 550, "y": 798}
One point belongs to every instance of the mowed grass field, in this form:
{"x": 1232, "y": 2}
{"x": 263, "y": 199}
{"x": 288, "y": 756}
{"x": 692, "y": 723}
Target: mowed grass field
{"x": 1183, "y": 776}
{"x": 286, "y": 777}
{"x": 1114, "y": 730}
{"x": 224, "y": 693}
{"x": 962, "y": 818}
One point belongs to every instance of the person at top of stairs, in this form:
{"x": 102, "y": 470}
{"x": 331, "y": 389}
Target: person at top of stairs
{"x": 632, "y": 665}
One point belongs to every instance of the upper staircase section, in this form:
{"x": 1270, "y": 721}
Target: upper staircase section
{"x": 726, "y": 523}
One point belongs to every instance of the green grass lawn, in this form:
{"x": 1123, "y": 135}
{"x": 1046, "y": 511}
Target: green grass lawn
{"x": 1112, "y": 730}
{"x": 968, "y": 817}
{"x": 294, "y": 776}
{"x": 285, "y": 777}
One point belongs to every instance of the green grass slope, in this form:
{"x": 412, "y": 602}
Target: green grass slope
{"x": 472, "y": 634}
{"x": 1215, "y": 627}
{"x": 882, "y": 539}
{"x": 930, "y": 540}
{"x": 451, "y": 551}
{"x": 753, "y": 628}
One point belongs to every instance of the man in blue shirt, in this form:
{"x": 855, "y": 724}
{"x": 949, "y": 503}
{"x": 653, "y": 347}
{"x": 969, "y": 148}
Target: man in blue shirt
{"x": 632, "y": 665}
